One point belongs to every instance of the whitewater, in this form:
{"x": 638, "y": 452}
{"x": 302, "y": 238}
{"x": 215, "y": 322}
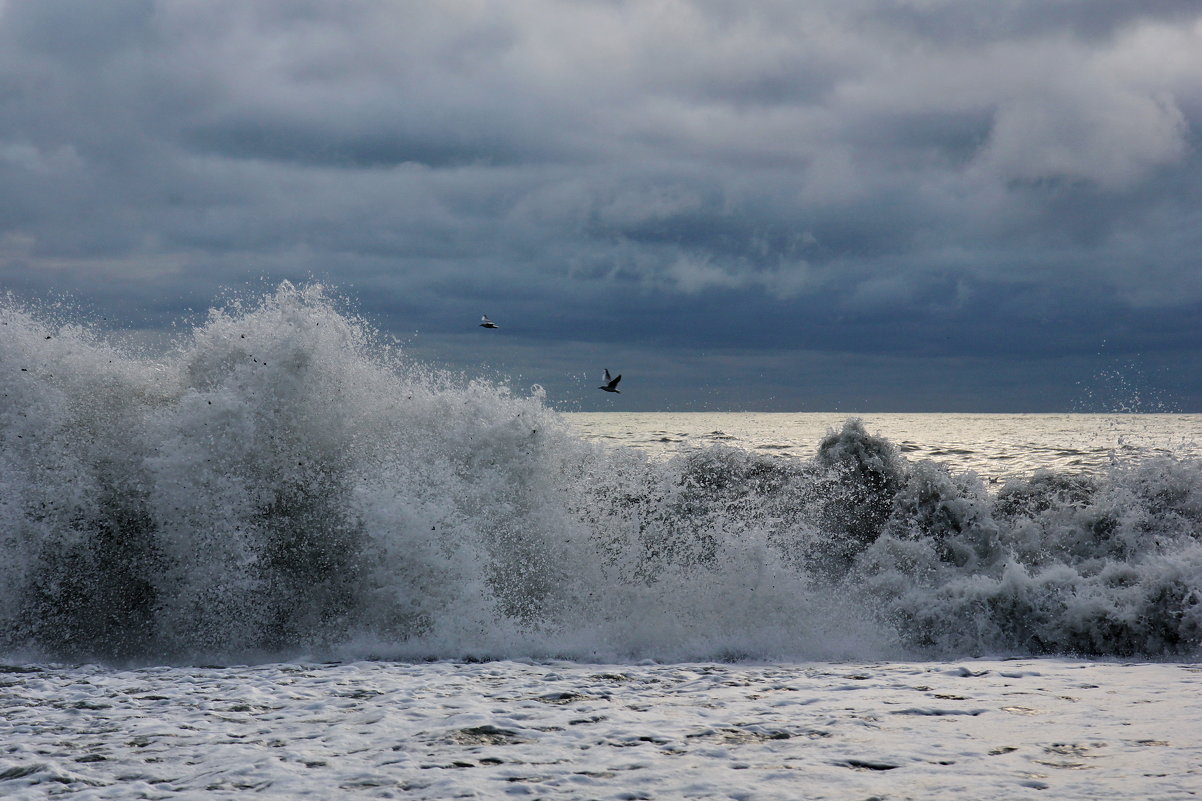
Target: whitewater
{"x": 283, "y": 558}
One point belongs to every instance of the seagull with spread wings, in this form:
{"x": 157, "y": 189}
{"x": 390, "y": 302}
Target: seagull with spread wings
{"x": 611, "y": 384}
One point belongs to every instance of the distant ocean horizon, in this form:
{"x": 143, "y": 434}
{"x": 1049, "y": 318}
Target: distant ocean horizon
{"x": 994, "y": 445}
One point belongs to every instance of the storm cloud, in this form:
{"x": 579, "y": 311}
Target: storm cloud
{"x": 852, "y": 205}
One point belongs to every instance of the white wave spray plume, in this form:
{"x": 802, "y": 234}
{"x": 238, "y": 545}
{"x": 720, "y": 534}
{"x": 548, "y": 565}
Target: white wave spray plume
{"x": 285, "y": 483}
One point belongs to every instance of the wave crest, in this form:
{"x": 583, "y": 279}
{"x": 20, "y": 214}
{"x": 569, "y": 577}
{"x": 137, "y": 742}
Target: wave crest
{"x": 283, "y": 482}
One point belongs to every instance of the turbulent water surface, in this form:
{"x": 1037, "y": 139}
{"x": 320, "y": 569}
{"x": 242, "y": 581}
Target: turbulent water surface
{"x": 978, "y": 729}
{"x": 283, "y": 487}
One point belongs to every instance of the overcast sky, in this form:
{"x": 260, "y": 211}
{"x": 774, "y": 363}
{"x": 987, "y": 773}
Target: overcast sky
{"x": 831, "y": 205}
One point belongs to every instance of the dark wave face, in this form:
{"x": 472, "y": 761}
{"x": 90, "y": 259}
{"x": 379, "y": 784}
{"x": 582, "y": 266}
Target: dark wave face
{"x": 282, "y": 484}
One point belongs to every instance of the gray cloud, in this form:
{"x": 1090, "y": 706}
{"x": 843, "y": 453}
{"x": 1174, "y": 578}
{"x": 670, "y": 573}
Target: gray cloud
{"x": 925, "y": 179}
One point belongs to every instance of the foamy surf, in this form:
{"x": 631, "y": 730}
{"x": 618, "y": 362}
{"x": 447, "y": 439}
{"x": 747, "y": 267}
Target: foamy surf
{"x": 283, "y": 482}
{"x": 935, "y": 730}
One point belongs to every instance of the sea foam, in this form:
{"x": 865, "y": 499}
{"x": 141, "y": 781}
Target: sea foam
{"x": 283, "y": 482}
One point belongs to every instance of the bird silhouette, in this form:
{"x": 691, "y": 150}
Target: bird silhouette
{"x": 487, "y": 323}
{"x": 611, "y": 384}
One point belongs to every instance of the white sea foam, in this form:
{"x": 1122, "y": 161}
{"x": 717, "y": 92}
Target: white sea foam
{"x": 282, "y": 483}
{"x": 934, "y": 730}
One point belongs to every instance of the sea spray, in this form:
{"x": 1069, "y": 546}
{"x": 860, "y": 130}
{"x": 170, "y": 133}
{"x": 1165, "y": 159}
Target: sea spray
{"x": 283, "y": 482}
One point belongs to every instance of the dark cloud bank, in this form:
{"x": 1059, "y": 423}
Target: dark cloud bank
{"x": 852, "y": 205}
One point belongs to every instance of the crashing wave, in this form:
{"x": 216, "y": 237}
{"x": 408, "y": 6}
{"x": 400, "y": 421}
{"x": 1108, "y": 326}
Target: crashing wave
{"x": 283, "y": 483}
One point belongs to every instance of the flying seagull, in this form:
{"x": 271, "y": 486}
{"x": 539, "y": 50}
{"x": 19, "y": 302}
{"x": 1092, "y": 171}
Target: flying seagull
{"x": 487, "y": 323}
{"x": 611, "y": 384}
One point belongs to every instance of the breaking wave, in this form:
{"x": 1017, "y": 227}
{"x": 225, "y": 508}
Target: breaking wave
{"x": 282, "y": 484}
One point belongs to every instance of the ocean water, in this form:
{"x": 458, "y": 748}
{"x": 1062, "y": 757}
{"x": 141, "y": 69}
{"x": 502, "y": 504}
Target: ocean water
{"x": 996, "y": 447}
{"x": 283, "y": 544}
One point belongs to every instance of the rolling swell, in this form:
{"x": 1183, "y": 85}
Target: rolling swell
{"x": 282, "y": 483}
